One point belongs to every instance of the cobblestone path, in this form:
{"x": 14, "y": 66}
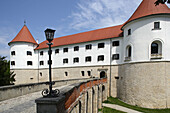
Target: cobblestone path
{"x": 21, "y": 104}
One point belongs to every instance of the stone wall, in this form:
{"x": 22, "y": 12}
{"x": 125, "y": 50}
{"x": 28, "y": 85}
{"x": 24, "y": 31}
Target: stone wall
{"x": 41, "y": 75}
{"x": 83, "y": 97}
{"x": 145, "y": 84}
{"x": 7, "y": 92}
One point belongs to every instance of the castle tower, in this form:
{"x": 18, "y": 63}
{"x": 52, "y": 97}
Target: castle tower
{"x": 23, "y": 58}
{"x": 145, "y": 72}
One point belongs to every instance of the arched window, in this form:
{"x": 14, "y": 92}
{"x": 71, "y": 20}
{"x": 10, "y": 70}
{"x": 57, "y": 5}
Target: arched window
{"x": 129, "y": 51}
{"x": 156, "y": 48}
{"x": 102, "y": 74}
{"x": 128, "y": 54}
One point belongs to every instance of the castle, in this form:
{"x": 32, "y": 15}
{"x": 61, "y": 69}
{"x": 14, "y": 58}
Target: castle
{"x": 134, "y": 56}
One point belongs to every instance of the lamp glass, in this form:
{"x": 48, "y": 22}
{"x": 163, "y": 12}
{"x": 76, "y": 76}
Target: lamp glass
{"x": 49, "y": 33}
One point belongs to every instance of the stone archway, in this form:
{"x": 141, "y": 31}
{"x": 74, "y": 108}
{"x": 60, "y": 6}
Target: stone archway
{"x": 102, "y": 74}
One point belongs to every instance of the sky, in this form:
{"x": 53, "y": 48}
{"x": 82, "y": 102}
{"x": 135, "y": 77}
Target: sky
{"x": 65, "y": 16}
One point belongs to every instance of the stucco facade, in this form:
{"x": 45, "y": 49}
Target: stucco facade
{"x": 133, "y": 56}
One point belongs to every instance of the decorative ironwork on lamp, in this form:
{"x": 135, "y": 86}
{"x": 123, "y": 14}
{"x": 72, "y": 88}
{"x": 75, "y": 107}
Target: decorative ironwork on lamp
{"x": 49, "y": 33}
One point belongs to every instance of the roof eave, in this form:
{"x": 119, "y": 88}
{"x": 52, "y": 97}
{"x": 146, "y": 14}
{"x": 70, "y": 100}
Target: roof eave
{"x": 143, "y": 17}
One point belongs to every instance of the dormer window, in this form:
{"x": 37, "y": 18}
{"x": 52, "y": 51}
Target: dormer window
{"x": 129, "y": 31}
{"x": 29, "y": 53}
{"x": 12, "y": 52}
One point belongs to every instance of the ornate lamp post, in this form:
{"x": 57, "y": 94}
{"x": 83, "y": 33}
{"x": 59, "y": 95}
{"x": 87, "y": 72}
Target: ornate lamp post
{"x": 49, "y": 33}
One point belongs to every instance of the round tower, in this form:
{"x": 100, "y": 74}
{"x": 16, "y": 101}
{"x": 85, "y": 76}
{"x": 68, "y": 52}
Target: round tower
{"x": 23, "y": 58}
{"x": 146, "y": 57}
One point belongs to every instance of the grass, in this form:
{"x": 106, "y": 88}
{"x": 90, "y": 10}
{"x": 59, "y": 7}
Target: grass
{"x": 109, "y": 110}
{"x": 112, "y": 100}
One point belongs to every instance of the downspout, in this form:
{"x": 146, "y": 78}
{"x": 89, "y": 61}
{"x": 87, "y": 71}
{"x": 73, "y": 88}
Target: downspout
{"x": 38, "y": 65}
{"x": 110, "y": 67}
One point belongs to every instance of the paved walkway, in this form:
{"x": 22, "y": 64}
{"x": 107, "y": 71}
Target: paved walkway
{"x": 120, "y": 108}
{"x": 21, "y": 104}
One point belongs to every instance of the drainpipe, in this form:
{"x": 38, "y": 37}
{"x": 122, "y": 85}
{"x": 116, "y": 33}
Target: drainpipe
{"x": 38, "y": 66}
{"x": 110, "y": 67}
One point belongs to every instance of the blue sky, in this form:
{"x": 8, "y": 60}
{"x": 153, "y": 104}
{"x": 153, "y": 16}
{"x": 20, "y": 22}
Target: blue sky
{"x": 65, "y": 16}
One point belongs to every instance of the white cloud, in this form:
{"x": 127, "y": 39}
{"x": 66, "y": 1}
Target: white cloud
{"x": 94, "y": 14}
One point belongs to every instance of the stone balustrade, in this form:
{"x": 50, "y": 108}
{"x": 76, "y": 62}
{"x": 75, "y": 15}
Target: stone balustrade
{"x": 83, "y": 97}
{"x": 7, "y": 92}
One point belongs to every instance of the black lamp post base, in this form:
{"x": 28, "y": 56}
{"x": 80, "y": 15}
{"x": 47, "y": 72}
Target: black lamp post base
{"x": 48, "y": 94}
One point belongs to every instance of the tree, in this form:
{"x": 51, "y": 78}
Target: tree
{"x": 6, "y": 77}
{"x": 162, "y": 2}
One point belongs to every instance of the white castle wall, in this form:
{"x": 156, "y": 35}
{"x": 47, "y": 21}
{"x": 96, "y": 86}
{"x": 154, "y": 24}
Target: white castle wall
{"x": 143, "y": 35}
{"x": 21, "y": 56}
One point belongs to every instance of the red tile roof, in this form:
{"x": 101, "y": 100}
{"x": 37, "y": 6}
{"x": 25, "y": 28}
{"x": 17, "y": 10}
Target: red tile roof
{"x": 24, "y": 36}
{"x": 146, "y": 8}
{"x": 99, "y": 34}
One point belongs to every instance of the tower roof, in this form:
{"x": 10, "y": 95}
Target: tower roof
{"x": 24, "y": 36}
{"x": 147, "y": 8}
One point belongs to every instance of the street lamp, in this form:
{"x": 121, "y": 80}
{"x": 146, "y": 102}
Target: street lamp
{"x": 49, "y": 33}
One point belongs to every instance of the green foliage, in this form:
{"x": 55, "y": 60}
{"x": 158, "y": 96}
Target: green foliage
{"x": 6, "y": 77}
{"x": 112, "y": 100}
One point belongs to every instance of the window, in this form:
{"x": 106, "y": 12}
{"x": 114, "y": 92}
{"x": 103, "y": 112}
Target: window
{"x": 101, "y": 58}
{"x": 12, "y": 63}
{"x": 82, "y": 73}
{"x": 65, "y": 50}
{"x": 41, "y": 52}
{"x": 41, "y": 62}
{"x": 12, "y": 52}
{"x": 156, "y": 48}
{"x": 88, "y": 59}
{"x": 49, "y": 51}
{"x": 40, "y": 73}
{"x": 76, "y": 48}
{"x": 128, "y": 53}
{"x": 65, "y": 61}
{"x": 89, "y": 73}
{"x": 89, "y": 46}
{"x": 76, "y": 60}
{"x": 115, "y": 43}
{"x": 66, "y": 73}
{"x": 29, "y": 62}
{"x": 56, "y": 51}
{"x": 129, "y": 31}
{"x": 100, "y": 45}
{"x": 115, "y": 57}
{"x": 49, "y": 62}
{"x": 29, "y": 53}
{"x": 156, "y": 25}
